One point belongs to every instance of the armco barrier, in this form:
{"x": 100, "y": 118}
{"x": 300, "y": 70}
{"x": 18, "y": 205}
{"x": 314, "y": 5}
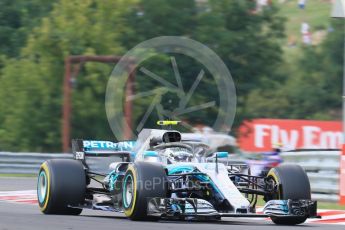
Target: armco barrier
{"x": 322, "y": 167}
{"x": 342, "y": 176}
{"x": 26, "y": 163}
{"x": 29, "y": 163}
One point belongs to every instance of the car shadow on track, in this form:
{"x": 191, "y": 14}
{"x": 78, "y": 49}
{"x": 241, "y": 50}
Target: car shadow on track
{"x": 197, "y": 222}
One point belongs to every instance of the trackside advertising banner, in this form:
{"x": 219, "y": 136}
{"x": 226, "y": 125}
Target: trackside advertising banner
{"x": 260, "y": 134}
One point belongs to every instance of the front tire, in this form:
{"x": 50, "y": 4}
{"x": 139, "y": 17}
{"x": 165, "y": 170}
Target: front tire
{"x": 293, "y": 183}
{"x": 61, "y": 183}
{"x": 142, "y": 180}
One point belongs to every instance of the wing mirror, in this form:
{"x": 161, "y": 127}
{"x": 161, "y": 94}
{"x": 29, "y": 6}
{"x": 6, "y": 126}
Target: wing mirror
{"x": 221, "y": 154}
{"x": 150, "y": 154}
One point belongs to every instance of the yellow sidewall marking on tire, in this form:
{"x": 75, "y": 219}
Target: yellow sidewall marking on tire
{"x": 275, "y": 177}
{"x": 129, "y": 211}
{"x": 44, "y": 166}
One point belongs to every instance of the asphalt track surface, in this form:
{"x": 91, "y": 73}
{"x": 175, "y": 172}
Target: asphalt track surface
{"x": 28, "y": 217}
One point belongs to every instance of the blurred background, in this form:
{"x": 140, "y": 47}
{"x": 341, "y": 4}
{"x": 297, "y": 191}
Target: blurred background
{"x": 286, "y": 58}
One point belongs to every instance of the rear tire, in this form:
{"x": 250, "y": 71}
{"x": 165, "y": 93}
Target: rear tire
{"x": 61, "y": 183}
{"x": 142, "y": 180}
{"x": 293, "y": 183}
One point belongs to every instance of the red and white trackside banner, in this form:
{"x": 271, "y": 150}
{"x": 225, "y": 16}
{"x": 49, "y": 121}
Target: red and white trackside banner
{"x": 259, "y": 135}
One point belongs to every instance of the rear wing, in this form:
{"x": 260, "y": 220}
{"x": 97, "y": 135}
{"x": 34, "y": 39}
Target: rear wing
{"x": 89, "y": 148}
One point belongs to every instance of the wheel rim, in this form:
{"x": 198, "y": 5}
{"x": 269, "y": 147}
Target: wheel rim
{"x": 128, "y": 191}
{"x": 42, "y": 186}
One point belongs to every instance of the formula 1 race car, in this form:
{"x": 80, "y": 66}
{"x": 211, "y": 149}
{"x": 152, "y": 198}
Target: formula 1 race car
{"x": 163, "y": 175}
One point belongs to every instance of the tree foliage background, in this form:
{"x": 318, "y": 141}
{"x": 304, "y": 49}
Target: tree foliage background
{"x": 36, "y": 36}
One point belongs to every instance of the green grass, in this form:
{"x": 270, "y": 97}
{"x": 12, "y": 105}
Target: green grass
{"x": 317, "y": 14}
{"x": 326, "y": 205}
{"x": 17, "y": 175}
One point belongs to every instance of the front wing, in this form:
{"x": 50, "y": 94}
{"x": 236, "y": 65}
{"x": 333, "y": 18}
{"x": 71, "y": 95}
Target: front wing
{"x": 193, "y": 208}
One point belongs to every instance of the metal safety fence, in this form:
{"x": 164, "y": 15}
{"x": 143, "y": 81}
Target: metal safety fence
{"x": 322, "y": 167}
{"x": 29, "y": 163}
{"x": 26, "y": 163}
